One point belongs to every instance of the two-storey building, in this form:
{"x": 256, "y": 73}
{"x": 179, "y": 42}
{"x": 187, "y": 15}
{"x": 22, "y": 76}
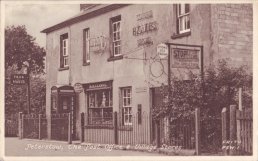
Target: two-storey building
{"x": 110, "y": 51}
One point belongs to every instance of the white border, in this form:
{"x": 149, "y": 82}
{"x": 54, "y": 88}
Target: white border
{"x": 174, "y": 158}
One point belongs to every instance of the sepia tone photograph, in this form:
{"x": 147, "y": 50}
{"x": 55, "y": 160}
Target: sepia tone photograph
{"x": 119, "y": 79}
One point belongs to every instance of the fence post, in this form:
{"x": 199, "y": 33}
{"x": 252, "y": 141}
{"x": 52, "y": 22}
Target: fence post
{"x": 224, "y": 130}
{"x": 82, "y": 126}
{"x": 69, "y": 128}
{"x": 238, "y": 120}
{"x": 233, "y": 135}
{"x": 115, "y": 128}
{"x": 158, "y": 133}
{"x": 20, "y": 125}
{"x": 40, "y": 116}
{"x": 197, "y": 131}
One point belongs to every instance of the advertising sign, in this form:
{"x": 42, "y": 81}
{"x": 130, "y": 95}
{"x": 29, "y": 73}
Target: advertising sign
{"x": 19, "y": 79}
{"x": 78, "y": 87}
{"x": 185, "y": 58}
{"x": 162, "y": 50}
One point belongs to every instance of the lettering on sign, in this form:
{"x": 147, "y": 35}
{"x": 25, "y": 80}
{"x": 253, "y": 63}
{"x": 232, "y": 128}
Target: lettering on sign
{"x": 98, "y": 85}
{"x": 145, "y": 15}
{"x": 162, "y": 50}
{"x": 185, "y": 58}
{"x": 19, "y": 79}
{"x": 99, "y": 44}
{"x": 145, "y": 28}
{"x": 145, "y": 42}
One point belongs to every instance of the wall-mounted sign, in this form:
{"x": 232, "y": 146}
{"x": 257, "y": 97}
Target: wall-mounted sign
{"x": 78, "y": 87}
{"x": 162, "y": 51}
{"x": 145, "y": 28}
{"x": 185, "y": 58}
{"x": 140, "y": 89}
{"x": 97, "y": 86}
{"x": 145, "y": 15}
{"x": 99, "y": 44}
{"x": 19, "y": 79}
{"x": 145, "y": 42}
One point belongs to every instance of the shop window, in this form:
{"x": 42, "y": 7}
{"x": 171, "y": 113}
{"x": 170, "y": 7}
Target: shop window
{"x": 126, "y": 105}
{"x": 183, "y": 20}
{"x": 64, "y": 53}
{"x": 100, "y": 107}
{"x": 86, "y": 46}
{"x": 116, "y": 35}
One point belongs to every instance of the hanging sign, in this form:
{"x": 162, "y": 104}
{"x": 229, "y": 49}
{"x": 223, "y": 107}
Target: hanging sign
{"x": 78, "y": 87}
{"x": 162, "y": 50}
{"x": 185, "y": 58}
{"x": 19, "y": 79}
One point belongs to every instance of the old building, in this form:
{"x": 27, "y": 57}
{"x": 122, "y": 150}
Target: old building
{"x": 111, "y": 51}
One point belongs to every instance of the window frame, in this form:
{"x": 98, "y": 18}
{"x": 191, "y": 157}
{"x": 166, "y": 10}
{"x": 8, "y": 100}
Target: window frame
{"x": 182, "y": 17}
{"x": 114, "y": 22}
{"x": 64, "y": 51}
{"x": 86, "y": 46}
{"x": 124, "y": 106}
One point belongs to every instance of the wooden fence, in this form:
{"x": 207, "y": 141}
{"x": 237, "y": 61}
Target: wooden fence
{"x": 34, "y": 126}
{"x": 237, "y": 133}
{"x": 11, "y": 125}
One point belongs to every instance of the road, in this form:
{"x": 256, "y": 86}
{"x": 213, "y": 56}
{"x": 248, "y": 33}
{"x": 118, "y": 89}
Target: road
{"x": 25, "y": 147}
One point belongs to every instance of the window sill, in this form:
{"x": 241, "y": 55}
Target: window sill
{"x": 175, "y": 36}
{"x": 115, "y": 58}
{"x": 86, "y": 63}
{"x": 63, "y": 68}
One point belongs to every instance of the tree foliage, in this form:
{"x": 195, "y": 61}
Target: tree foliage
{"x": 21, "y": 47}
{"x": 216, "y": 89}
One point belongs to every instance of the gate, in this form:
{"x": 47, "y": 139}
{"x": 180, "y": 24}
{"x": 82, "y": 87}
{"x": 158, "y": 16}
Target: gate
{"x": 11, "y": 125}
{"x": 59, "y": 126}
{"x": 33, "y": 126}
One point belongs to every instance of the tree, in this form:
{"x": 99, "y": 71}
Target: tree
{"x": 21, "y": 47}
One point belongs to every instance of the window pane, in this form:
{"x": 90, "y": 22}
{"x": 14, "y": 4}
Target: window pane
{"x": 187, "y": 8}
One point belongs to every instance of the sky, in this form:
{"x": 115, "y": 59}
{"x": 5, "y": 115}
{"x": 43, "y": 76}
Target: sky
{"x": 37, "y": 17}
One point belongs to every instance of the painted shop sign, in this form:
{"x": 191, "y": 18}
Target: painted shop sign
{"x": 99, "y": 44}
{"x": 78, "y": 87}
{"x": 185, "y": 58}
{"x": 145, "y": 41}
{"x": 145, "y": 28}
{"x": 19, "y": 79}
{"x": 145, "y": 15}
{"x": 98, "y": 85}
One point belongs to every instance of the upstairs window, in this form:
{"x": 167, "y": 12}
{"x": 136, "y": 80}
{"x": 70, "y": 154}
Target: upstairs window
{"x": 64, "y": 52}
{"x": 86, "y": 46}
{"x": 183, "y": 21}
{"x": 116, "y": 35}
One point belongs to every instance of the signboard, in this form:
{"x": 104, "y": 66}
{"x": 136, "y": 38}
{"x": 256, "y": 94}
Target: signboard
{"x": 162, "y": 50}
{"x": 98, "y": 86}
{"x": 185, "y": 58}
{"x": 98, "y": 44}
{"x": 19, "y": 79}
{"x": 78, "y": 87}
